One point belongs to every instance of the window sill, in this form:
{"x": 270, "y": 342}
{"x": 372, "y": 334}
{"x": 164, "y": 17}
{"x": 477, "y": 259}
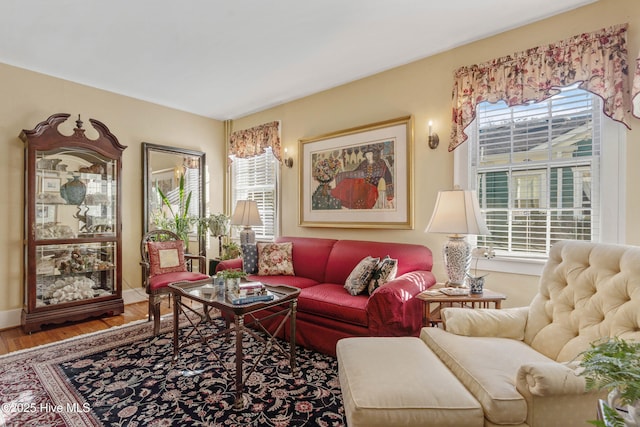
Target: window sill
{"x": 514, "y": 265}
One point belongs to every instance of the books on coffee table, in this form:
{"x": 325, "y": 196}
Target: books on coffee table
{"x": 252, "y": 287}
{"x": 239, "y": 298}
{"x": 250, "y": 292}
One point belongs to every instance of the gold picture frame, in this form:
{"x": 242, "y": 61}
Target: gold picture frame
{"x": 360, "y": 177}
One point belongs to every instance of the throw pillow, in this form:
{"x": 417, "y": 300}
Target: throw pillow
{"x": 166, "y": 257}
{"x": 385, "y": 271}
{"x": 249, "y": 258}
{"x": 275, "y": 259}
{"x": 359, "y": 277}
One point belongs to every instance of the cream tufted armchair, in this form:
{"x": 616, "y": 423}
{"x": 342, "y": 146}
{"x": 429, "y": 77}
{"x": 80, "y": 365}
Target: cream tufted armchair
{"x": 519, "y": 363}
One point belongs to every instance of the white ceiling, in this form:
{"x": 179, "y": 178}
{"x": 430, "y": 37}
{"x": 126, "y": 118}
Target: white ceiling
{"x": 228, "y": 58}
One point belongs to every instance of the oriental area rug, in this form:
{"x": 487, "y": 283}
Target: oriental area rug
{"x": 125, "y": 377}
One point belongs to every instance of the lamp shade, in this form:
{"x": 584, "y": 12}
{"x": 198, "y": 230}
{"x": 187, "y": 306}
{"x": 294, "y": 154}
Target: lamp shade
{"x": 457, "y": 212}
{"x": 246, "y": 213}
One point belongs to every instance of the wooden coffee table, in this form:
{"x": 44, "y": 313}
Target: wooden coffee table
{"x": 234, "y": 316}
{"x": 431, "y": 315}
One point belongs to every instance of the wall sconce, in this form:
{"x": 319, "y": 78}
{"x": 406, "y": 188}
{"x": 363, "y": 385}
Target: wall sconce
{"x": 433, "y": 140}
{"x": 178, "y": 172}
{"x": 288, "y": 161}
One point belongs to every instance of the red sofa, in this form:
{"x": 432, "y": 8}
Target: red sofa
{"x": 327, "y": 312}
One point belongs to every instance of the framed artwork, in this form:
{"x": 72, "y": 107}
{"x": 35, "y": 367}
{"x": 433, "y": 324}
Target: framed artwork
{"x": 51, "y": 184}
{"x": 358, "y": 178}
{"x": 45, "y": 213}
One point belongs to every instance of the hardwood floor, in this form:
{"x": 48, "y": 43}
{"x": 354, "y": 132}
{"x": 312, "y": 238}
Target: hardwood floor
{"x": 15, "y": 339}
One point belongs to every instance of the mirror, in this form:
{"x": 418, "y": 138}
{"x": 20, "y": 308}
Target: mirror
{"x": 164, "y": 168}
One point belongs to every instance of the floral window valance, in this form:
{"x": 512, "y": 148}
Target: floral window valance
{"x": 254, "y": 141}
{"x": 597, "y": 60}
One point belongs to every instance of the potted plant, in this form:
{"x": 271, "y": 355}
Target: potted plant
{"x": 218, "y": 226}
{"x": 476, "y": 283}
{"x": 613, "y": 364}
{"x": 230, "y": 250}
{"x": 181, "y": 222}
{"x": 232, "y": 278}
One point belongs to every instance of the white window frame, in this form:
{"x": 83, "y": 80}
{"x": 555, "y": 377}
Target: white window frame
{"x": 542, "y": 179}
{"x": 579, "y": 181}
{"x": 262, "y": 232}
{"x": 612, "y": 201}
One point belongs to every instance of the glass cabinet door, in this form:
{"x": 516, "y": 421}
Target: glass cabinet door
{"x": 76, "y": 194}
{"x": 72, "y": 272}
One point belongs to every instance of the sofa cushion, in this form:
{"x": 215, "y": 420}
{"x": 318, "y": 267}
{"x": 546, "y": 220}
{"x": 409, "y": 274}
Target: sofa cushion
{"x": 385, "y": 271}
{"x": 333, "y": 301}
{"x": 275, "y": 259}
{"x": 360, "y": 276}
{"x": 310, "y": 256}
{"x": 249, "y": 258}
{"x": 166, "y": 257}
{"x": 488, "y": 322}
{"x": 488, "y": 367}
{"x": 346, "y": 254}
{"x": 297, "y": 281}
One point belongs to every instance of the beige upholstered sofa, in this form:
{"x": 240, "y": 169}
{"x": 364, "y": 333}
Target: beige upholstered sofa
{"x": 517, "y": 364}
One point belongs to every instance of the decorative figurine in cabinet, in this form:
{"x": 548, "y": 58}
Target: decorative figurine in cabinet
{"x": 73, "y": 242}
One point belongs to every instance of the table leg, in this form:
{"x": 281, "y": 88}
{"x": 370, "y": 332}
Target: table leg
{"x": 176, "y": 328}
{"x": 426, "y": 314}
{"x": 292, "y": 340}
{"x": 239, "y": 322}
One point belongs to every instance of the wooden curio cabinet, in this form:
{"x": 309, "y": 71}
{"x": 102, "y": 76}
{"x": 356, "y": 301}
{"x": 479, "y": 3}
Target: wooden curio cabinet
{"x": 72, "y": 229}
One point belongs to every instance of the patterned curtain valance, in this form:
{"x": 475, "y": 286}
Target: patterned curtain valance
{"x": 254, "y": 141}
{"x": 597, "y": 60}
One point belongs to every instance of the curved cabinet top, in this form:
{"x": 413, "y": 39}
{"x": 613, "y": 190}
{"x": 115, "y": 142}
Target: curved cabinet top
{"x": 46, "y": 132}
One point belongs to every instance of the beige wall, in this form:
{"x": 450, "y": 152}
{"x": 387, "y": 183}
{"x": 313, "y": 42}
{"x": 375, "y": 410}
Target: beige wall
{"x": 423, "y": 89}
{"x": 27, "y": 98}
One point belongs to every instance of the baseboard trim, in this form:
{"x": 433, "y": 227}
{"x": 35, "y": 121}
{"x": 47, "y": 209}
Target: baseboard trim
{"x": 131, "y": 296}
{"x": 11, "y": 318}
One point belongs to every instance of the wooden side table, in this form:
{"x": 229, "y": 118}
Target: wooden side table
{"x": 431, "y": 316}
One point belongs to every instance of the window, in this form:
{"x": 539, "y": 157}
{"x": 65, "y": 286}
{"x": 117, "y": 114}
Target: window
{"x": 541, "y": 170}
{"x": 254, "y": 178}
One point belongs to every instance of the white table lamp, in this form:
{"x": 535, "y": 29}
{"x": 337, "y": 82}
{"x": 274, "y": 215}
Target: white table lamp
{"x": 247, "y": 215}
{"x": 457, "y": 213}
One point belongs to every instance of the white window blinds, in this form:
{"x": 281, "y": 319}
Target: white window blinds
{"x": 536, "y": 170}
{"x": 254, "y": 178}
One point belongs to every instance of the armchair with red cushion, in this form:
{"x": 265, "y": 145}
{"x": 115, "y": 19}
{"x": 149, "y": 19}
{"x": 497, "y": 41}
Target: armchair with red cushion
{"x": 164, "y": 262}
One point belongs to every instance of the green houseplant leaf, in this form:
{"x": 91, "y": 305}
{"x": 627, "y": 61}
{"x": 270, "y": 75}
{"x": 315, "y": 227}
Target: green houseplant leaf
{"x": 232, "y": 273}
{"x": 217, "y": 224}
{"x": 613, "y": 364}
{"x": 231, "y": 250}
{"x": 181, "y": 222}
